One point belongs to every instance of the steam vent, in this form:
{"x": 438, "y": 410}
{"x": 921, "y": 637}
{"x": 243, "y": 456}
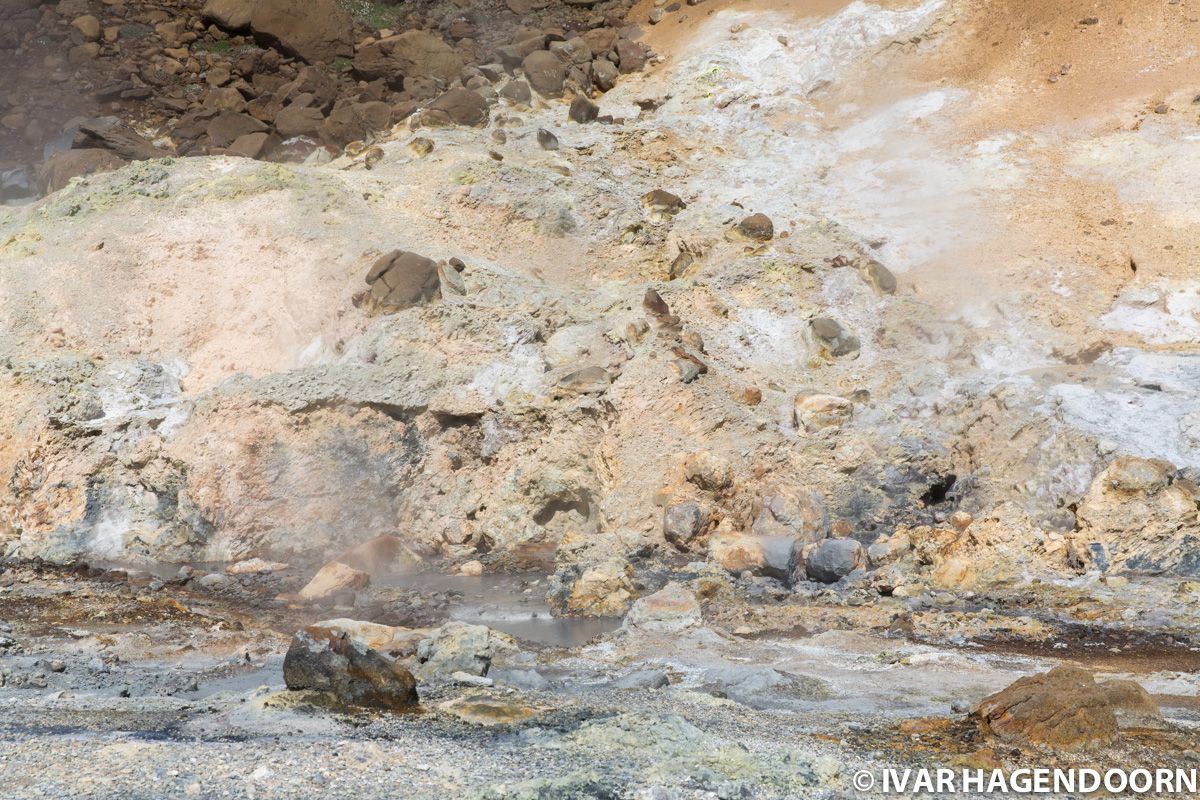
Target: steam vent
{"x": 599, "y": 399}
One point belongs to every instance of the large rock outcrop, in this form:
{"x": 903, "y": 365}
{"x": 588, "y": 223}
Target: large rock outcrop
{"x": 314, "y": 30}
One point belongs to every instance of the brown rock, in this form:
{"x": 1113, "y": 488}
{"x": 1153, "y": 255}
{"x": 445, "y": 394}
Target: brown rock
{"x": 757, "y": 227}
{"x": 583, "y": 110}
{"x": 88, "y": 26}
{"x": 545, "y": 73}
{"x": 457, "y": 107}
{"x": 813, "y": 411}
{"x": 299, "y": 121}
{"x": 410, "y": 54}
{"x": 232, "y": 15}
{"x": 1064, "y": 709}
{"x": 400, "y": 279}
{"x": 111, "y": 134}
{"x": 631, "y": 56}
{"x": 516, "y": 91}
{"x": 225, "y": 99}
{"x": 604, "y": 74}
{"x": 350, "y": 121}
{"x": 225, "y": 128}
{"x": 60, "y": 168}
{"x": 770, "y": 556}
{"x": 333, "y": 578}
{"x": 251, "y": 145}
{"x": 327, "y": 659}
{"x": 314, "y": 30}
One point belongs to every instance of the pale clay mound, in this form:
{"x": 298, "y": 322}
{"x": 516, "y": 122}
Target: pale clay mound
{"x": 189, "y": 377}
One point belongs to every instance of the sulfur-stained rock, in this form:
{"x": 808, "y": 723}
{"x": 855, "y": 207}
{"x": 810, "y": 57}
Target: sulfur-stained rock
{"x": 813, "y": 412}
{"x": 326, "y": 659}
{"x": 683, "y": 522}
{"x": 459, "y": 647}
{"x": 831, "y": 339}
{"x": 1063, "y": 709}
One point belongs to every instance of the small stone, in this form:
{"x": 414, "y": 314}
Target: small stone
{"x": 583, "y": 110}
{"x": 661, "y": 204}
{"x": 401, "y": 279}
{"x": 831, "y": 339}
{"x": 757, "y": 227}
{"x": 589, "y": 380}
{"x": 471, "y": 568}
{"x": 420, "y": 146}
{"x": 546, "y": 139}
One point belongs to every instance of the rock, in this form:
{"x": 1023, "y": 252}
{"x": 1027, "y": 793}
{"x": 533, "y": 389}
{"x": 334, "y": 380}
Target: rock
{"x": 420, "y": 146}
{"x": 401, "y": 279}
{"x": 213, "y": 581}
{"x": 642, "y": 679}
{"x": 589, "y": 380}
{"x": 88, "y": 26}
{"x": 879, "y": 277}
{"x": 1063, "y": 709}
{"x": 254, "y": 566}
{"x": 831, "y": 339}
{"x": 412, "y": 54}
{"x": 349, "y": 121}
{"x": 545, "y": 73}
{"x": 670, "y": 609}
{"x": 814, "y": 412}
{"x": 517, "y": 92}
{"x": 466, "y": 679}
{"x": 573, "y": 51}
{"x": 332, "y": 579}
{"x": 111, "y": 134}
{"x": 457, "y": 107}
{"x": 683, "y": 522}
{"x": 830, "y": 560}
{"x": 299, "y": 121}
{"x": 225, "y": 99}
{"x": 708, "y": 471}
{"x": 327, "y": 660}
{"x": 794, "y": 512}
{"x": 1136, "y": 517}
{"x": 631, "y": 56}
{"x": 224, "y": 129}
{"x": 518, "y": 678}
{"x": 459, "y": 647}
{"x": 471, "y": 569}
{"x": 386, "y": 639}
{"x": 583, "y": 110}
{"x": 232, "y": 15}
{"x": 314, "y": 30}
{"x": 662, "y": 205}
{"x": 487, "y": 712}
{"x": 61, "y": 167}
{"x": 604, "y": 74}
{"x": 757, "y": 227}
{"x": 547, "y": 140}
{"x": 591, "y": 579}
{"x": 887, "y": 549}
{"x": 252, "y": 145}
{"x": 767, "y": 556}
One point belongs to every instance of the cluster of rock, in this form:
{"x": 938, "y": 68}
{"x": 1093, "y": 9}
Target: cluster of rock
{"x": 379, "y": 666}
{"x": 279, "y": 80}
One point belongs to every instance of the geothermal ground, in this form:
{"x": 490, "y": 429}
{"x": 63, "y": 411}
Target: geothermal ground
{"x": 574, "y": 400}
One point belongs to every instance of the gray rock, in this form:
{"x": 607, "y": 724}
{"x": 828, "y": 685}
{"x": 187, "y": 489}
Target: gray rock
{"x": 545, "y": 72}
{"x": 459, "y": 647}
{"x": 682, "y": 522}
{"x": 831, "y": 339}
{"x": 642, "y": 679}
{"x": 328, "y": 660}
{"x": 832, "y": 559}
